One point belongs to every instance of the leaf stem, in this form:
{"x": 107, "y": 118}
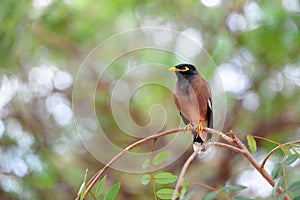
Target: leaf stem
{"x": 152, "y": 172}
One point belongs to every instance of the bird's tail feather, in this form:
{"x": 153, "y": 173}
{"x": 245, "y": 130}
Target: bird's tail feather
{"x": 199, "y": 144}
{"x": 197, "y": 138}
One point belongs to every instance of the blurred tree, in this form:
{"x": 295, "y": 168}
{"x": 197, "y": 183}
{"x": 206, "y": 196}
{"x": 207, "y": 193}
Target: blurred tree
{"x": 254, "y": 47}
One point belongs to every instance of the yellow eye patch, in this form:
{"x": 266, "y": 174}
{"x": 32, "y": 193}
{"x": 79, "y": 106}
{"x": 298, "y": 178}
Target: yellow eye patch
{"x": 185, "y": 69}
{"x": 179, "y": 70}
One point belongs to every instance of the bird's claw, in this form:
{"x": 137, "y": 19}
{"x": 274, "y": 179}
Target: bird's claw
{"x": 188, "y": 127}
{"x": 199, "y": 129}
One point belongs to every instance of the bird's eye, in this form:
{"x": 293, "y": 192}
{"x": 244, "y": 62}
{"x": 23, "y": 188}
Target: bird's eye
{"x": 185, "y": 69}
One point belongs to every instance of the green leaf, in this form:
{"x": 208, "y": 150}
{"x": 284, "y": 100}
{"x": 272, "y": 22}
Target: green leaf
{"x": 82, "y": 191}
{"x": 278, "y": 183}
{"x": 185, "y": 187}
{"x": 112, "y": 192}
{"x": 85, "y": 175}
{"x": 160, "y": 158}
{"x": 165, "y": 178}
{"x": 211, "y": 195}
{"x": 232, "y": 188}
{"x": 297, "y": 198}
{"x": 290, "y": 159}
{"x": 146, "y": 179}
{"x": 185, "y": 184}
{"x": 146, "y": 163}
{"x": 285, "y": 149}
{"x": 186, "y": 197}
{"x": 295, "y": 187}
{"x": 276, "y": 171}
{"x": 241, "y": 198}
{"x": 183, "y": 191}
{"x": 251, "y": 143}
{"x": 281, "y": 196}
{"x": 83, "y": 186}
{"x": 100, "y": 186}
{"x": 166, "y": 193}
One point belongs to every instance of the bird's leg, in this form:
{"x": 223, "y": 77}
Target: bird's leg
{"x": 200, "y": 129}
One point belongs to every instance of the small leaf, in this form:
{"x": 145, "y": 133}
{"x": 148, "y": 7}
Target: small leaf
{"x": 166, "y": 193}
{"x": 290, "y": 159}
{"x": 85, "y": 175}
{"x": 232, "y": 188}
{"x": 295, "y": 187}
{"x": 112, "y": 192}
{"x": 276, "y": 171}
{"x": 241, "y": 198}
{"x": 146, "y": 163}
{"x": 285, "y": 149}
{"x": 165, "y": 178}
{"x": 251, "y": 143}
{"x": 83, "y": 186}
{"x": 100, "y": 186}
{"x": 160, "y": 158}
{"x": 185, "y": 184}
{"x": 281, "y": 196}
{"x": 82, "y": 191}
{"x": 183, "y": 191}
{"x": 211, "y": 196}
{"x": 186, "y": 197}
{"x": 185, "y": 187}
{"x": 278, "y": 183}
{"x": 146, "y": 179}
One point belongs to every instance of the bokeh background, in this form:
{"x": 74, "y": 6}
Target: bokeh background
{"x": 251, "y": 49}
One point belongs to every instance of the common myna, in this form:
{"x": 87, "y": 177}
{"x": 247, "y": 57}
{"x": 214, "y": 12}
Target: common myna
{"x": 192, "y": 97}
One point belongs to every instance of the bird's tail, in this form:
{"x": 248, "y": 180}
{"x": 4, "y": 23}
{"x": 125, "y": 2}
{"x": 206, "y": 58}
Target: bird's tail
{"x": 199, "y": 143}
{"x": 197, "y": 138}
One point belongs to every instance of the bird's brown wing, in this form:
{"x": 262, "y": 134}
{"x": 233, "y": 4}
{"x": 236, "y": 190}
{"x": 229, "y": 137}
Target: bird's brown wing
{"x": 202, "y": 97}
{"x": 184, "y": 119}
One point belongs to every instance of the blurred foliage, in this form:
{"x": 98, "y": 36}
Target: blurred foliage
{"x": 255, "y": 51}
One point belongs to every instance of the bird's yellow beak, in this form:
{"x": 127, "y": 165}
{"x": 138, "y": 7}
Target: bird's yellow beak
{"x": 174, "y": 69}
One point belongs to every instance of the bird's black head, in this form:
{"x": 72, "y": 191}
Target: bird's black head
{"x": 185, "y": 70}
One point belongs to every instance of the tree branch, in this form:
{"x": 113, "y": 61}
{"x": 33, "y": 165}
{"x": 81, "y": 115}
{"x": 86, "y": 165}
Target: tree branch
{"x": 234, "y": 144}
{"x": 95, "y": 178}
{"x": 275, "y": 149}
{"x": 182, "y": 173}
{"x": 245, "y": 152}
{"x": 240, "y": 149}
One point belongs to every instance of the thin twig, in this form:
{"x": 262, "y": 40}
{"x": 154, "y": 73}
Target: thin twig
{"x": 213, "y": 189}
{"x": 92, "y": 182}
{"x": 152, "y": 172}
{"x": 219, "y": 133}
{"x": 190, "y": 159}
{"x": 204, "y": 185}
{"x": 182, "y": 173}
{"x": 275, "y": 149}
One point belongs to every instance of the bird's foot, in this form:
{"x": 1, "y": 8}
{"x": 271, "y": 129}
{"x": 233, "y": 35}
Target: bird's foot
{"x": 189, "y": 127}
{"x": 199, "y": 129}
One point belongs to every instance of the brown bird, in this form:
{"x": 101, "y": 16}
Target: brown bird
{"x": 192, "y": 97}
